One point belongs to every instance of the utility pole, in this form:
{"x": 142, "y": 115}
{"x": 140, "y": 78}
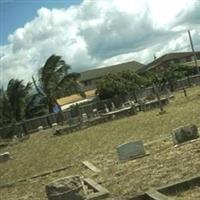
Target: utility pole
{"x": 195, "y": 57}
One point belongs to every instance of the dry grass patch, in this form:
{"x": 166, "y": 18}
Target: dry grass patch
{"x": 97, "y": 144}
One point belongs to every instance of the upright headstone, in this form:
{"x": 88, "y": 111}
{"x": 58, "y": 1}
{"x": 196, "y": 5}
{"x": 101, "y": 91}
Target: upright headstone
{"x": 95, "y": 113}
{"x": 130, "y": 150}
{"x": 40, "y": 128}
{"x": 68, "y": 188}
{"x": 106, "y": 108}
{"x": 54, "y": 124}
{"x": 113, "y": 106}
{"x": 185, "y": 133}
{"x": 84, "y": 117}
{"x": 156, "y": 91}
{"x": 4, "y": 157}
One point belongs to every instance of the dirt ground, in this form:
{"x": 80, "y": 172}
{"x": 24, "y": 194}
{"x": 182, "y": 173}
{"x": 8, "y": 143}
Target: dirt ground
{"x": 164, "y": 164}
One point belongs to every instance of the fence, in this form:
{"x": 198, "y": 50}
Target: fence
{"x": 73, "y": 114}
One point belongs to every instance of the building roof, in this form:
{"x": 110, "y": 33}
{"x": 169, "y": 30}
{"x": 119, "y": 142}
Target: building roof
{"x": 168, "y": 57}
{"x": 99, "y": 72}
{"x": 75, "y": 97}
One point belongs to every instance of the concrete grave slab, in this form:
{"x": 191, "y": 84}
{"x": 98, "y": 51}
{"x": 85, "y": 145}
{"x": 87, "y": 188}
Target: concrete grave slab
{"x": 155, "y": 195}
{"x": 99, "y": 192}
{"x": 184, "y": 133}
{"x": 75, "y": 188}
{"x": 91, "y": 166}
{"x": 68, "y": 188}
{"x": 169, "y": 189}
{"x": 131, "y": 150}
{"x": 4, "y": 157}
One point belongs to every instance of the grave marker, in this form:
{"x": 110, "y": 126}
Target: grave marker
{"x": 54, "y": 124}
{"x": 68, "y": 188}
{"x": 4, "y": 157}
{"x": 84, "y": 117}
{"x": 106, "y": 108}
{"x": 131, "y": 150}
{"x": 40, "y": 128}
{"x": 91, "y": 166}
{"x": 184, "y": 133}
{"x": 113, "y": 106}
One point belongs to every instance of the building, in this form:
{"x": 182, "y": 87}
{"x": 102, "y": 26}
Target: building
{"x": 168, "y": 59}
{"x": 89, "y": 78}
{"x": 66, "y": 102}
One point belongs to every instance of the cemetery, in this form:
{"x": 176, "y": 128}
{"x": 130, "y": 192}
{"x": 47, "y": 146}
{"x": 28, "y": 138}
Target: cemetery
{"x": 136, "y": 157}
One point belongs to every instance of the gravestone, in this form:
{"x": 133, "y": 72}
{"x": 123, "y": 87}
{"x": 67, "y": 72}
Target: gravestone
{"x": 4, "y": 157}
{"x": 95, "y": 112}
{"x": 184, "y": 133}
{"x": 106, "y": 108}
{"x": 54, "y": 124}
{"x": 40, "y": 128}
{"x": 68, "y": 188}
{"x": 113, "y": 106}
{"x": 84, "y": 117}
{"x": 131, "y": 150}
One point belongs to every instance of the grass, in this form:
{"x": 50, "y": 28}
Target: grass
{"x": 97, "y": 144}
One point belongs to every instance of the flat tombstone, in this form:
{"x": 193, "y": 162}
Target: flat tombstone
{"x": 130, "y": 150}
{"x": 184, "y": 133}
{"x": 68, "y": 188}
{"x": 4, "y": 157}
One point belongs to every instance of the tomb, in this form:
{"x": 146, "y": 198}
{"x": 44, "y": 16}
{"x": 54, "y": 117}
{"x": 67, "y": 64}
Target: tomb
{"x": 75, "y": 188}
{"x": 54, "y": 124}
{"x": 68, "y": 188}
{"x": 184, "y": 133}
{"x": 131, "y": 150}
{"x": 4, "y": 157}
{"x": 40, "y": 128}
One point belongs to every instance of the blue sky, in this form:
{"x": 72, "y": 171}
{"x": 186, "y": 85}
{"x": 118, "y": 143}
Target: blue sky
{"x": 92, "y": 33}
{"x": 15, "y": 13}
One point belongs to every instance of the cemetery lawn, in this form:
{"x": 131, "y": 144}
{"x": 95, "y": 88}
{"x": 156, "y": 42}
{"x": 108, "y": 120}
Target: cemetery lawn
{"x": 165, "y": 164}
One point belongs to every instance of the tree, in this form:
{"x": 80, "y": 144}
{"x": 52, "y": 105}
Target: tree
{"x": 169, "y": 76}
{"x": 119, "y": 84}
{"x": 55, "y": 81}
{"x": 13, "y": 101}
{"x": 35, "y": 106}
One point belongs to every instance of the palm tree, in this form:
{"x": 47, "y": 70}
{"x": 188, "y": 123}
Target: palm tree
{"x": 17, "y": 94}
{"x": 13, "y": 101}
{"x": 5, "y": 109}
{"x": 55, "y": 81}
{"x": 35, "y": 106}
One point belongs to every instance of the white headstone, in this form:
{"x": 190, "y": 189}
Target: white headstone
{"x": 106, "y": 108}
{"x": 40, "y": 128}
{"x": 130, "y": 150}
{"x": 54, "y": 124}
{"x": 113, "y": 106}
{"x": 84, "y": 117}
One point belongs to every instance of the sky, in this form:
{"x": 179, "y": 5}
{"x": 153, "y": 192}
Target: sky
{"x": 92, "y": 33}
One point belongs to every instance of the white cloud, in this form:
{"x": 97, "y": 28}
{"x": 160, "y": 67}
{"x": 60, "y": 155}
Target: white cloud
{"x": 100, "y": 33}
